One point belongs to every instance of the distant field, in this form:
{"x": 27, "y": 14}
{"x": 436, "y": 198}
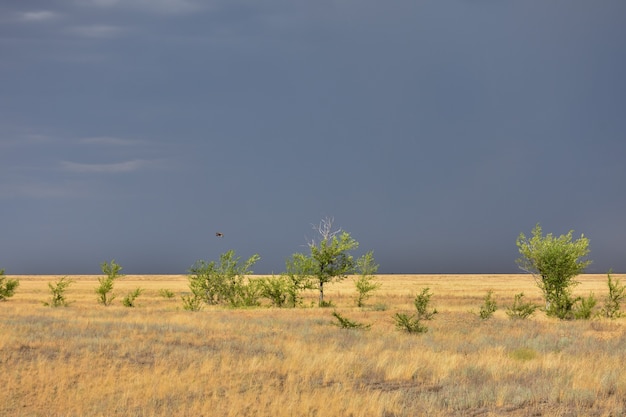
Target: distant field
{"x": 158, "y": 360}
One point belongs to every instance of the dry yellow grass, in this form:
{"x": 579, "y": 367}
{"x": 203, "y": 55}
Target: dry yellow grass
{"x": 159, "y": 360}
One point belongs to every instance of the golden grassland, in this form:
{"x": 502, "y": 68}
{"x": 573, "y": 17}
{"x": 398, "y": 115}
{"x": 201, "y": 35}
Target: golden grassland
{"x": 158, "y": 360}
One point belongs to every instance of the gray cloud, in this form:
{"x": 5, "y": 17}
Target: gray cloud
{"x": 111, "y": 168}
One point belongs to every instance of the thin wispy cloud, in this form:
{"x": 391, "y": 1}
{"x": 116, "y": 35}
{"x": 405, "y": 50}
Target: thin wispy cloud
{"x": 97, "y": 31}
{"x": 38, "y": 16}
{"x": 112, "y": 168}
{"x": 111, "y": 141}
{"x": 153, "y": 6}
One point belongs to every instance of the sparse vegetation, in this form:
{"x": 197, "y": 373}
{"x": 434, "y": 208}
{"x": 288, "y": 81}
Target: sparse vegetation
{"x": 521, "y": 309}
{"x": 554, "y": 263}
{"x": 165, "y": 293}
{"x": 366, "y": 283}
{"x": 613, "y": 301}
{"x": 105, "y": 289}
{"x": 7, "y": 286}
{"x": 489, "y": 306}
{"x": 259, "y": 362}
{"x": 224, "y": 282}
{"x": 129, "y": 300}
{"x": 346, "y": 323}
{"x": 413, "y": 323}
{"x": 58, "y": 292}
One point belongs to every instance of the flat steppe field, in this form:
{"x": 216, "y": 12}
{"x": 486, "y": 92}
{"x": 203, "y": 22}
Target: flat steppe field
{"x": 157, "y": 359}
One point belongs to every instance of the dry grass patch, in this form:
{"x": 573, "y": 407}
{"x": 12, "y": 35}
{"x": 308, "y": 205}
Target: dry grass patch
{"x": 158, "y": 360}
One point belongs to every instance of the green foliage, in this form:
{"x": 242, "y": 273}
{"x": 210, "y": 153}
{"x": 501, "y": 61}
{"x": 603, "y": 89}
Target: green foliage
{"x": 286, "y": 289}
{"x": 330, "y": 259}
{"x": 191, "y": 302}
{"x": 224, "y": 282}
{"x": 346, "y": 323}
{"x": 165, "y": 293}
{"x": 520, "y": 309}
{"x": 58, "y": 292}
{"x": 274, "y": 288}
{"x": 413, "y": 324}
{"x": 584, "y": 309}
{"x": 7, "y": 286}
{"x": 129, "y": 300}
{"x": 422, "y": 302}
{"x": 409, "y": 323}
{"x": 105, "y": 289}
{"x": 554, "y": 263}
{"x": 613, "y": 301}
{"x": 489, "y": 306}
{"x": 365, "y": 284}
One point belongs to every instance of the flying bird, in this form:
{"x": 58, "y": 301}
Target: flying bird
{"x": 218, "y": 234}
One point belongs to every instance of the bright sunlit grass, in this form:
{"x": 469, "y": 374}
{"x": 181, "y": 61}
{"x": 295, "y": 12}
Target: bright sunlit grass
{"x": 158, "y": 360}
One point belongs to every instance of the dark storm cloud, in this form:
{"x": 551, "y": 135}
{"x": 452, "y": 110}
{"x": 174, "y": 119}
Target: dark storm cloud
{"x": 434, "y": 131}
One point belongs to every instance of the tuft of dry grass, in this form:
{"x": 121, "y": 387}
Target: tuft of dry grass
{"x": 159, "y": 360}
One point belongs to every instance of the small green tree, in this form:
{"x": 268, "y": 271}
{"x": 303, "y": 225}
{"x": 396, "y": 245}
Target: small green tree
{"x": 105, "y": 289}
{"x": 129, "y": 300}
{"x": 489, "y": 306}
{"x": 554, "y": 263}
{"x": 613, "y": 301}
{"x": 7, "y": 286}
{"x": 224, "y": 282}
{"x": 520, "y": 309}
{"x": 58, "y": 292}
{"x": 366, "y": 282}
{"x": 330, "y": 257}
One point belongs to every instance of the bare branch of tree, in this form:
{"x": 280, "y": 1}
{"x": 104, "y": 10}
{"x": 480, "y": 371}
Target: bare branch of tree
{"x": 325, "y": 230}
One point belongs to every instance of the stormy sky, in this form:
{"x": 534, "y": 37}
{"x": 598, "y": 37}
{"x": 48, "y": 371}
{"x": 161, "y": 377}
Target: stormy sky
{"x": 433, "y": 131}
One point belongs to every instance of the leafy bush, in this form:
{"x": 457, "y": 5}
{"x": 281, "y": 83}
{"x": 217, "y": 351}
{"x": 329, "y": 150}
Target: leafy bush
{"x": 58, "y": 292}
{"x": 224, "y": 282}
{"x": 104, "y": 291}
{"x": 584, "y": 308}
{"x": 165, "y": 293}
{"x": 191, "y": 302}
{"x": 7, "y": 286}
{"x": 129, "y": 300}
{"x": 489, "y": 306}
{"x": 275, "y": 289}
{"x": 413, "y": 324}
{"x": 520, "y": 309}
{"x": 554, "y": 263}
{"x": 409, "y": 323}
{"x": 365, "y": 284}
{"x": 346, "y": 323}
{"x": 613, "y": 301}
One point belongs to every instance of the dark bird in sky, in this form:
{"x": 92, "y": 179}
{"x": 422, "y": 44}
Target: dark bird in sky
{"x": 218, "y": 234}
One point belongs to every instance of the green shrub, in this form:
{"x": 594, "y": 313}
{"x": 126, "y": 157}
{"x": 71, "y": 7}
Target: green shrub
{"x": 346, "y": 323}
{"x": 584, "y": 308}
{"x": 554, "y": 263}
{"x": 366, "y": 283}
{"x": 129, "y": 300}
{"x": 191, "y": 302}
{"x": 165, "y": 293}
{"x": 413, "y": 324}
{"x": 224, "y": 282}
{"x": 7, "y": 286}
{"x": 613, "y": 301}
{"x": 105, "y": 289}
{"x": 520, "y": 309}
{"x": 489, "y": 306}
{"x": 58, "y": 292}
{"x": 274, "y": 288}
{"x": 409, "y": 323}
